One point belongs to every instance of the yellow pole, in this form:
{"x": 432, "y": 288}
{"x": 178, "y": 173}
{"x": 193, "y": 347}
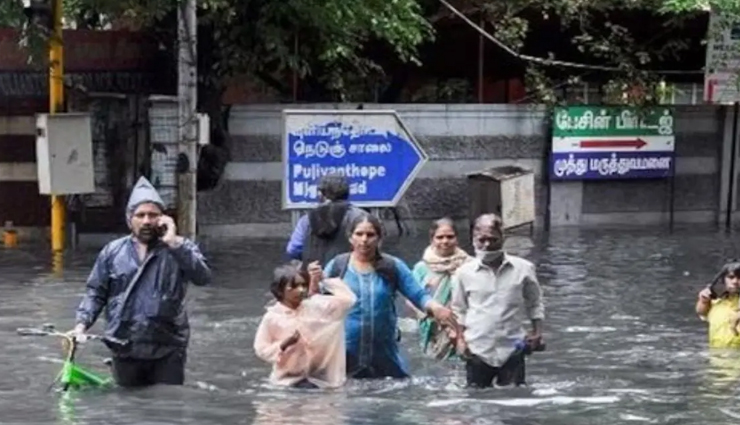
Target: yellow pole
{"x": 56, "y": 105}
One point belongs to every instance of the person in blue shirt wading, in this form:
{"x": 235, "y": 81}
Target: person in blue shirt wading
{"x": 376, "y": 278}
{"x": 141, "y": 281}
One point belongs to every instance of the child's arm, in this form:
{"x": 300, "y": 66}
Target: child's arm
{"x": 266, "y": 346}
{"x": 704, "y": 302}
{"x": 341, "y": 300}
{"x": 315, "y": 273}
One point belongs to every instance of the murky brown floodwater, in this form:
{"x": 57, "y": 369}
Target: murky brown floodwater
{"x": 623, "y": 345}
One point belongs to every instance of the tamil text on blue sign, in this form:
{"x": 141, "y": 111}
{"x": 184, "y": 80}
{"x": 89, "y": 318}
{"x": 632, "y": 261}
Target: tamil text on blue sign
{"x": 373, "y": 149}
{"x": 612, "y": 143}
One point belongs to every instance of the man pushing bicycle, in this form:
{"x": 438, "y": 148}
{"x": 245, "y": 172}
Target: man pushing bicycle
{"x": 141, "y": 281}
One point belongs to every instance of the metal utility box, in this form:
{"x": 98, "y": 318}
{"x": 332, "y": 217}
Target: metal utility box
{"x": 507, "y": 191}
{"x": 64, "y": 154}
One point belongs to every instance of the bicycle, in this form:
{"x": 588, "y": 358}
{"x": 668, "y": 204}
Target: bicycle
{"x": 72, "y": 375}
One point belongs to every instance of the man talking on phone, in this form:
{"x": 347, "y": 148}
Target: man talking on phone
{"x": 141, "y": 281}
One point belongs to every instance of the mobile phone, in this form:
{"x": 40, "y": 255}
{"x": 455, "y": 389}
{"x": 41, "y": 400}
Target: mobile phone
{"x": 160, "y": 231}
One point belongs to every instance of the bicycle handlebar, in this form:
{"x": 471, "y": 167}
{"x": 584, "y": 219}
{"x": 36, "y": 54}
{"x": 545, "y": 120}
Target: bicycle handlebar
{"x": 31, "y": 332}
{"x": 49, "y": 331}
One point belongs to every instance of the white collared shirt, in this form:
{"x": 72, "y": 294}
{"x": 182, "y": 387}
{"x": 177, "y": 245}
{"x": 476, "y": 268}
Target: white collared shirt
{"x": 493, "y": 305}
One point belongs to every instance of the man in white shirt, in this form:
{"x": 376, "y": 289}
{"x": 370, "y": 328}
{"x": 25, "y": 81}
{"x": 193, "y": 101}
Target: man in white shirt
{"x": 491, "y": 298}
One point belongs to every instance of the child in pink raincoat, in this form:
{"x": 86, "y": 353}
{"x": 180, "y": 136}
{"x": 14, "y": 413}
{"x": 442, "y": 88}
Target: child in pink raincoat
{"x": 303, "y": 337}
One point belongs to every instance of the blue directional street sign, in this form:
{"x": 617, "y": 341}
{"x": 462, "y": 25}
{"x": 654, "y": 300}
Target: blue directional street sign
{"x": 373, "y": 149}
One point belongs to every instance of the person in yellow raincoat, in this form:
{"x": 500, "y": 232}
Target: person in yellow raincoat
{"x": 721, "y": 311}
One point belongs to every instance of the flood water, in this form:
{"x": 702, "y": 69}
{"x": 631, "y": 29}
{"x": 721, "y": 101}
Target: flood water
{"x": 624, "y": 345}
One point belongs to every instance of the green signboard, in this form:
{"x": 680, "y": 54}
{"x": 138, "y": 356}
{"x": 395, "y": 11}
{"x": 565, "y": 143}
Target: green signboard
{"x": 612, "y": 142}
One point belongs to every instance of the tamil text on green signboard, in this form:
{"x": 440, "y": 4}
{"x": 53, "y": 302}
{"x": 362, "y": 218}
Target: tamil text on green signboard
{"x": 611, "y": 142}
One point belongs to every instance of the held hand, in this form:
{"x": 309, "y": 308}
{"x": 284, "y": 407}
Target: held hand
{"x": 444, "y": 315}
{"x": 78, "y": 333}
{"x": 462, "y": 348}
{"x": 534, "y": 340}
{"x": 315, "y": 272}
{"x": 170, "y": 235}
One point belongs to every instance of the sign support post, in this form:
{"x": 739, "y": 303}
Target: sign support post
{"x": 56, "y": 105}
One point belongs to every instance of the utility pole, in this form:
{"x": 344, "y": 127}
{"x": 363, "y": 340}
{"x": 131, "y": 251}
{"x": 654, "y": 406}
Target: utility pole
{"x": 56, "y": 105}
{"x": 187, "y": 93}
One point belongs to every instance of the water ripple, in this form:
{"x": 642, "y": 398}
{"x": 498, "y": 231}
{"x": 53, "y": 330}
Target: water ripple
{"x": 623, "y": 345}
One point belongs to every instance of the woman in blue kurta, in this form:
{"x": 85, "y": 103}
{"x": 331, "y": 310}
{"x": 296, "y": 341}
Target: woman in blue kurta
{"x": 375, "y": 278}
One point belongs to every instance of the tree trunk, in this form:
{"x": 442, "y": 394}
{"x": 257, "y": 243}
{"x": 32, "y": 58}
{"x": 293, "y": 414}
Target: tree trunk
{"x": 393, "y": 92}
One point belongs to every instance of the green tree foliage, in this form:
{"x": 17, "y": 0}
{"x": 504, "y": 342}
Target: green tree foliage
{"x": 604, "y": 37}
{"x": 325, "y": 41}
{"x": 258, "y": 37}
{"x": 726, "y": 6}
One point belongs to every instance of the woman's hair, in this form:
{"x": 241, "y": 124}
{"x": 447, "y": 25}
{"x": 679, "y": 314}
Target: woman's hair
{"x": 730, "y": 268}
{"x": 366, "y": 217}
{"x": 285, "y": 274}
{"x": 384, "y": 267}
{"x": 444, "y": 221}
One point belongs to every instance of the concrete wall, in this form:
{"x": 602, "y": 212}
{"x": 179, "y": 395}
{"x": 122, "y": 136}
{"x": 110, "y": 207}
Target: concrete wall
{"x": 465, "y": 138}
